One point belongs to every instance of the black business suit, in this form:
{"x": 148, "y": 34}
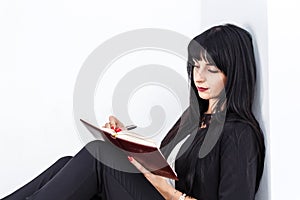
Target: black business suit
{"x": 227, "y": 172}
{"x": 84, "y": 177}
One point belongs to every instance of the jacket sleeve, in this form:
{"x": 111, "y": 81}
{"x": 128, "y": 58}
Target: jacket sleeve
{"x": 238, "y": 164}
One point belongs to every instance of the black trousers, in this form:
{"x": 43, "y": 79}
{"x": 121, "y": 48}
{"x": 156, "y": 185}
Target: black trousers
{"x": 98, "y": 171}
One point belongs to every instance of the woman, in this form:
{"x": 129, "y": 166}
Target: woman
{"x": 217, "y": 145}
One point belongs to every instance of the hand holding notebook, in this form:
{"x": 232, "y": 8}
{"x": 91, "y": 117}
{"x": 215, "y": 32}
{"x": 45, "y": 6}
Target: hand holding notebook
{"x": 142, "y": 150}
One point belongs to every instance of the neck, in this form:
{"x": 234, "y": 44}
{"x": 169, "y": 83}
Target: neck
{"x": 211, "y": 105}
{"x": 209, "y": 111}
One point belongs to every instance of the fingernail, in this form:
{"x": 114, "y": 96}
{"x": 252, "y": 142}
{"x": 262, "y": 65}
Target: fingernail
{"x": 118, "y": 129}
{"x": 130, "y": 158}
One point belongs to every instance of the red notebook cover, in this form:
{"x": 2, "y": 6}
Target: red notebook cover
{"x": 144, "y": 151}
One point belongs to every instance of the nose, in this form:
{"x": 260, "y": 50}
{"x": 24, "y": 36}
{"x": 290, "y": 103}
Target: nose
{"x": 199, "y": 75}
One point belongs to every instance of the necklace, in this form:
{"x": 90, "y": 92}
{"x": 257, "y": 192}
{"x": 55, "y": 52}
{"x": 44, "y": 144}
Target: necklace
{"x": 205, "y": 121}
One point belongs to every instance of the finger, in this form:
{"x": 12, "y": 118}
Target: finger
{"x": 115, "y": 122}
{"x": 112, "y": 124}
{"x": 138, "y": 165}
{"x": 107, "y": 125}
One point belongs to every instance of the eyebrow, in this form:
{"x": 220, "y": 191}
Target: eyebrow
{"x": 207, "y": 63}
{"x": 211, "y": 64}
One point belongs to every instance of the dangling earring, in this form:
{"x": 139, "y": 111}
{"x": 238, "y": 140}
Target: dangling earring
{"x": 203, "y": 124}
{"x": 205, "y": 121}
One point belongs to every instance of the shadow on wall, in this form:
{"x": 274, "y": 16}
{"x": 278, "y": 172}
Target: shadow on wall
{"x": 214, "y": 12}
{"x": 263, "y": 192}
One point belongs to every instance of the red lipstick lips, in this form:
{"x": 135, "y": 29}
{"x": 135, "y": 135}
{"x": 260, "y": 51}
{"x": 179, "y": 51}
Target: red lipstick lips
{"x": 202, "y": 89}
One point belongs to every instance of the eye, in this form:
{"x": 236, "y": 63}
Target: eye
{"x": 213, "y": 69}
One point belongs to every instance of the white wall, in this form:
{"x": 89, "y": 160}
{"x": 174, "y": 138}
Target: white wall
{"x": 44, "y": 43}
{"x": 43, "y": 46}
{"x": 284, "y": 42}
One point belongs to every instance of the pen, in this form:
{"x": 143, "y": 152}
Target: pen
{"x": 130, "y": 127}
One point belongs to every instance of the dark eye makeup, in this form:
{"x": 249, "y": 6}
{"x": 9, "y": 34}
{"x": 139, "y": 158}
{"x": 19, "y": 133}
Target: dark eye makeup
{"x": 211, "y": 67}
{"x": 213, "y": 71}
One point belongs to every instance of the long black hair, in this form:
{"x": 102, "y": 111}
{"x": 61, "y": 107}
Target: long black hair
{"x": 230, "y": 48}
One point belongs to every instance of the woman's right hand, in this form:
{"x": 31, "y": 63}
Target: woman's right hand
{"x": 114, "y": 123}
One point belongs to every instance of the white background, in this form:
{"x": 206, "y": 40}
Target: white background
{"x": 44, "y": 43}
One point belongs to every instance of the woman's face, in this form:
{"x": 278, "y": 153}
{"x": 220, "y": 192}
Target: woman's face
{"x": 208, "y": 79}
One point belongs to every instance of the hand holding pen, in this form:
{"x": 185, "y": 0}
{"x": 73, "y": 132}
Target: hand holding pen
{"x": 117, "y": 125}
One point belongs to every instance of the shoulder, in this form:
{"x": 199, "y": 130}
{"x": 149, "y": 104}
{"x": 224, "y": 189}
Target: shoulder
{"x": 235, "y": 125}
{"x": 239, "y": 133}
{"x": 237, "y": 128}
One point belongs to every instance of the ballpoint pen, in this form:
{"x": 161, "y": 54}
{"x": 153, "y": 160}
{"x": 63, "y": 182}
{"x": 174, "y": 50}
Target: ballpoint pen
{"x": 129, "y": 127}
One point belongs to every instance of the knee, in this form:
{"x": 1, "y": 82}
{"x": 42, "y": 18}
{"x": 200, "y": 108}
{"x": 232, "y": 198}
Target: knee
{"x": 95, "y": 148}
{"x": 95, "y": 144}
{"x": 100, "y": 149}
{"x": 64, "y": 160}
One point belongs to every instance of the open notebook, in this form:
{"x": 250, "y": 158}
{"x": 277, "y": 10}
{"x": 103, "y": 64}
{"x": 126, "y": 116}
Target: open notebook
{"x": 144, "y": 151}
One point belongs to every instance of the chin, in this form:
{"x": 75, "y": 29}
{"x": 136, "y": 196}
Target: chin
{"x": 203, "y": 96}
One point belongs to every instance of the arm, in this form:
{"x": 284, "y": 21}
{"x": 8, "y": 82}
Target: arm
{"x": 238, "y": 165}
{"x": 160, "y": 183}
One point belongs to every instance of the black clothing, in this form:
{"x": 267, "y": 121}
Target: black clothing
{"x": 84, "y": 177}
{"x": 227, "y": 172}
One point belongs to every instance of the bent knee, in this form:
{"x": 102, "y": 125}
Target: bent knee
{"x": 95, "y": 144}
{"x": 101, "y": 149}
{"x": 64, "y": 160}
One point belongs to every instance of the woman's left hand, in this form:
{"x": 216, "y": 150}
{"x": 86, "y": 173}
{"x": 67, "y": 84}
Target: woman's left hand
{"x": 159, "y": 182}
